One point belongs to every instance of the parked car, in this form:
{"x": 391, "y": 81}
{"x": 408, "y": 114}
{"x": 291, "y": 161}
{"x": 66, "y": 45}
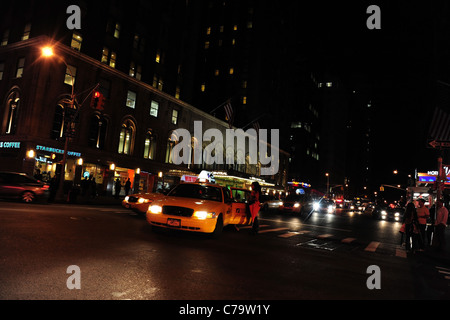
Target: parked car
{"x": 20, "y": 186}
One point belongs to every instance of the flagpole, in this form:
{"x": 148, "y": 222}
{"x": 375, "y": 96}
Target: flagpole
{"x": 252, "y": 121}
{"x": 221, "y": 105}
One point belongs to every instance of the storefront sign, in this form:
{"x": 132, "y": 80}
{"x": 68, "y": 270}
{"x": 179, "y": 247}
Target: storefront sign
{"x": 55, "y": 150}
{"x": 9, "y": 145}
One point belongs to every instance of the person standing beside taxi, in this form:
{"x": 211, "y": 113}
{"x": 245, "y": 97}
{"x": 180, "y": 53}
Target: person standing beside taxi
{"x": 440, "y": 224}
{"x": 254, "y": 206}
{"x": 422, "y": 216}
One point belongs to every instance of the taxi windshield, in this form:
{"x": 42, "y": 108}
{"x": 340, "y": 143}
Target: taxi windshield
{"x": 197, "y": 192}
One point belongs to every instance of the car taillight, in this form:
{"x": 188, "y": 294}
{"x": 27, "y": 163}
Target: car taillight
{"x": 45, "y": 186}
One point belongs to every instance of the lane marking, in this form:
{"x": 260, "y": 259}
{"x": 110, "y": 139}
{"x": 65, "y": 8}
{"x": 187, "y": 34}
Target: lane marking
{"x": 272, "y": 230}
{"x": 372, "y": 247}
{"x": 293, "y": 233}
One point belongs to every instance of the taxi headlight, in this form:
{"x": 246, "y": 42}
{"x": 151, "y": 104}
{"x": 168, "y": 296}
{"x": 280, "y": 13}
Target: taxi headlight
{"x": 126, "y": 198}
{"x": 280, "y": 203}
{"x": 397, "y": 214}
{"x": 296, "y": 205}
{"x": 330, "y": 209}
{"x": 155, "y": 209}
{"x": 143, "y": 200}
{"x": 202, "y": 215}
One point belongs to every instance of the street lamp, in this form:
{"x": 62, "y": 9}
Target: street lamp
{"x": 328, "y": 182}
{"x": 47, "y": 52}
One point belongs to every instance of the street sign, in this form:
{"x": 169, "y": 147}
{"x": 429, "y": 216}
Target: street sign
{"x": 439, "y": 144}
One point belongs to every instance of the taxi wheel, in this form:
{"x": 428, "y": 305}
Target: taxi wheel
{"x": 219, "y": 227}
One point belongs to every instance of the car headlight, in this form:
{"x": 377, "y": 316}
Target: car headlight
{"x": 280, "y": 203}
{"x": 397, "y": 214}
{"x": 155, "y": 209}
{"x": 316, "y": 206}
{"x": 352, "y": 207}
{"x": 143, "y": 200}
{"x": 296, "y": 205}
{"x": 126, "y": 198}
{"x": 330, "y": 209}
{"x": 202, "y": 215}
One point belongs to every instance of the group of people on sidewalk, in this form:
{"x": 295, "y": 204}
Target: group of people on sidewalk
{"x": 417, "y": 234}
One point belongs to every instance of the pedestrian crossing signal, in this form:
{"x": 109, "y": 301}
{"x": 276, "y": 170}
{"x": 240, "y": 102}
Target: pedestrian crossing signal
{"x": 98, "y": 101}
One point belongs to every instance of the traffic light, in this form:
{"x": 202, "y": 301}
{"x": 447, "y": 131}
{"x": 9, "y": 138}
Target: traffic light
{"x": 98, "y": 101}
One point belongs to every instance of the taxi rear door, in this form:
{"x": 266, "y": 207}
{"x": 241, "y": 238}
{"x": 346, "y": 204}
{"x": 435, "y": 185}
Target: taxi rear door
{"x": 239, "y": 206}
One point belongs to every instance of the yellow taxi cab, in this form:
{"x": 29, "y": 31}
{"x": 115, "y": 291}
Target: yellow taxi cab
{"x": 139, "y": 202}
{"x": 199, "y": 207}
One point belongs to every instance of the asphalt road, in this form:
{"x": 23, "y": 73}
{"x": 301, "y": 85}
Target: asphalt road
{"x": 120, "y": 258}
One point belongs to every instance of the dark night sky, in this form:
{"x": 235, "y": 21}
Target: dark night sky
{"x": 398, "y": 64}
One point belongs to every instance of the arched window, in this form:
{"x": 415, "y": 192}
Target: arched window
{"x": 126, "y": 137}
{"x": 171, "y": 142}
{"x": 150, "y": 145}
{"x": 12, "y": 109}
{"x": 97, "y": 132}
{"x": 63, "y": 117}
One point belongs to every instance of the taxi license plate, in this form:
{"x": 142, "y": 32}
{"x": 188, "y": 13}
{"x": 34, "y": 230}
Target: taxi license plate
{"x": 174, "y": 222}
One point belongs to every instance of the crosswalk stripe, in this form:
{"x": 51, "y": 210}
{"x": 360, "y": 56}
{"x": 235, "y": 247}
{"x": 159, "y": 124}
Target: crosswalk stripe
{"x": 323, "y": 236}
{"x": 400, "y": 253}
{"x": 372, "y": 247}
{"x": 272, "y": 230}
{"x": 248, "y": 227}
{"x": 348, "y": 240}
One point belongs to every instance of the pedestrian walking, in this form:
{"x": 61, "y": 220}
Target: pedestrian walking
{"x": 422, "y": 216}
{"x": 127, "y": 186}
{"x": 440, "y": 225}
{"x": 117, "y": 188}
{"x": 409, "y": 218}
{"x": 430, "y": 224}
{"x": 254, "y": 206}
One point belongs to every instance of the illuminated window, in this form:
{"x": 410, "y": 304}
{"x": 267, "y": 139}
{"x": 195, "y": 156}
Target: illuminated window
{"x": 154, "y": 106}
{"x": 71, "y": 73}
{"x": 158, "y": 57}
{"x": 216, "y": 72}
{"x": 208, "y": 31}
{"x": 2, "y": 69}
{"x": 207, "y": 45}
{"x": 26, "y": 32}
{"x": 221, "y": 28}
{"x": 112, "y": 61}
{"x": 131, "y": 99}
{"x": 244, "y": 100}
{"x": 105, "y": 55}
{"x": 5, "y": 38}
{"x": 244, "y": 84}
{"x": 235, "y": 27}
{"x": 233, "y": 42}
{"x": 135, "y": 71}
{"x": 177, "y": 92}
{"x": 117, "y": 31}
{"x": 174, "y": 116}
{"x": 149, "y": 145}
{"x": 126, "y": 137}
{"x": 231, "y": 71}
{"x": 76, "y": 41}
{"x": 203, "y": 87}
{"x": 20, "y": 66}
{"x": 329, "y": 84}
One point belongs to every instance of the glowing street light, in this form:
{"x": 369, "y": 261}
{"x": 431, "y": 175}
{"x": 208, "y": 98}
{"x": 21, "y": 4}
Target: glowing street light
{"x": 47, "y": 51}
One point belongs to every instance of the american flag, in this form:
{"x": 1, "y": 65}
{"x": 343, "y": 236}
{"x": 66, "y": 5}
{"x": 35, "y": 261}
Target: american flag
{"x": 229, "y": 113}
{"x": 440, "y": 126}
{"x": 256, "y": 126}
